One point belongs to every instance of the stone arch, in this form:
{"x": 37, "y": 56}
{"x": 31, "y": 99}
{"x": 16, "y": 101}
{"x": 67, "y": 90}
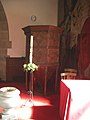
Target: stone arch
{"x": 4, "y": 42}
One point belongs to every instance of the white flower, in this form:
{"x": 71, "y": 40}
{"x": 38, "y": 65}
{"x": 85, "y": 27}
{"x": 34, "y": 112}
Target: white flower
{"x": 30, "y": 67}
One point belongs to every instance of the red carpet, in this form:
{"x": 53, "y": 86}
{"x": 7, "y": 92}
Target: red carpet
{"x": 44, "y": 108}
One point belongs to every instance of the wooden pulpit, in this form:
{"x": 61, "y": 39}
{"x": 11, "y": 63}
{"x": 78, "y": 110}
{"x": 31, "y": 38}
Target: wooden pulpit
{"x": 45, "y": 54}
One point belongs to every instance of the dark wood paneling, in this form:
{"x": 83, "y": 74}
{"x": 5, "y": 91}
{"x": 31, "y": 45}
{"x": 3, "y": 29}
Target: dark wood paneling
{"x": 14, "y": 69}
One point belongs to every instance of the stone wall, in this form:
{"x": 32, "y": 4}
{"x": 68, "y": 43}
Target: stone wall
{"x": 4, "y": 42}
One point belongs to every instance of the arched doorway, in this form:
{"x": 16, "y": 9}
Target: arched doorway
{"x": 84, "y": 55}
{"x": 4, "y": 42}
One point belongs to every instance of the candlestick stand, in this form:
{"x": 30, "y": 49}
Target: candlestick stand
{"x": 30, "y": 92}
{"x": 29, "y": 102}
{"x": 26, "y": 79}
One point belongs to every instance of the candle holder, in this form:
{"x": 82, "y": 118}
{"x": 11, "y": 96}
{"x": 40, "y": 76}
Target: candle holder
{"x": 30, "y": 67}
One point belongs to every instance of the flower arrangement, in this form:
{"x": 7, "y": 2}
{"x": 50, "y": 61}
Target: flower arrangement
{"x": 30, "y": 67}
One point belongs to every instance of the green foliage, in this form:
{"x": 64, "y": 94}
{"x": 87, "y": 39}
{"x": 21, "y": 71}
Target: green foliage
{"x": 30, "y": 67}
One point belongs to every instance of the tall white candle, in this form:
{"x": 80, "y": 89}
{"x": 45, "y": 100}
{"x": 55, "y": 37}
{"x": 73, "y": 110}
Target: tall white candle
{"x": 31, "y": 48}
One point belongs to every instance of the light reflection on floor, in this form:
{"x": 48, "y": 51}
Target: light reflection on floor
{"x": 36, "y": 101}
{"x": 80, "y": 99}
{"x": 25, "y": 110}
{"x": 29, "y": 103}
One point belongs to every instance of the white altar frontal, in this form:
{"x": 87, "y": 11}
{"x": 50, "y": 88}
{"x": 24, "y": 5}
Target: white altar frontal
{"x": 80, "y": 99}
